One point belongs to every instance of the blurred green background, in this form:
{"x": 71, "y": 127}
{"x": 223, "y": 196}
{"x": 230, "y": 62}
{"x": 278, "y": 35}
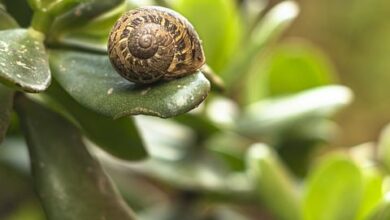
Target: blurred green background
{"x": 284, "y": 141}
{"x": 355, "y": 34}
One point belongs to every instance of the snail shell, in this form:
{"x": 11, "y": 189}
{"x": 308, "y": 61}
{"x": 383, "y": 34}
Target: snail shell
{"x": 152, "y": 43}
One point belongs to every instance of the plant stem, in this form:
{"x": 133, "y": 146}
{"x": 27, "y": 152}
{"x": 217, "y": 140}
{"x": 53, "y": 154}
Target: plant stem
{"x": 42, "y": 21}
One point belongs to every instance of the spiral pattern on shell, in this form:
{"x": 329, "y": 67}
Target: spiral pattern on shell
{"x": 151, "y": 43}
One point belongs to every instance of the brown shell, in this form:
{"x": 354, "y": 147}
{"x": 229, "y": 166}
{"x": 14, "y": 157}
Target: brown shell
{"x": 151, "y": 43}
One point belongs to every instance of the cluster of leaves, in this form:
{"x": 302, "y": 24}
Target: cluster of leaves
{"x": 249, "y": 148}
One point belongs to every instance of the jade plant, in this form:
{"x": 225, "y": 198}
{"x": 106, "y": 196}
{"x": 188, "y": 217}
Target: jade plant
{"x": 101, "y": 147}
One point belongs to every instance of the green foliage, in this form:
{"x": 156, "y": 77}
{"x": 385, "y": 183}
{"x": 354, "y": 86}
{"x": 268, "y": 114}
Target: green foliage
{"x": 219, "y": 26}
{"x": 23, "y": 60}
{"x": 6, "y": 99}
{"x": 334, "y": 190}
{"x": 273, "y": 183}
{"x": 96, "y": 85}
{"x": 57, "y": 160}
{"x": 248, "y": 149}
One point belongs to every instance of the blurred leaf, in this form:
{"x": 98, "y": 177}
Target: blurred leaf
{"x": 297, "y": 66}
{"x": 216, "y": 81}
{"x": 91, "y": 80}
{"x": 28, "y": 211}
{"x": 198, "y": 175}
{"x": 166, "y": 139}
{"x": 53, "y": 7}
{"x": 199, "y": 123}
{"x": 218, "y": 26}
{"x": 6, "y": 21}
{"x": 230, "y": 147}
{"x": 6, "y": 100}
{"x": 13, "y": 153}
{"x": 70, "y": 183}
{"x": 23, "y": 60}
{"x": 372, "y": 192}
{"x": 334, "y": 190}
{"x": 382, "y": 211}
{"x": 222, "y": 111}
{"x": 251, "y": 11}
{"x": 292, "y": 67}
{"x": 83, "y": 14}
{"x": 296, "y": 144}
{"x": 228, "y": 213}
{"x": 273, "y": 183}
{"x": 91, "y": 34}
{"x": 270, "y": 28}
{"x": 270, "y": 115}
{"x": 384, "y": 148}
{"x": 131, "y": 4}
{"x": 118, "y": 137}
{"x": 20, "y": 11}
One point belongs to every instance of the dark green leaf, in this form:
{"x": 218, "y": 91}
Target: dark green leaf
{"x": 274, "y": 184}
{"x": 70, "y": 183}
{"x": 334, "y": 190}
{"x": 23, "y": 60}
{"x": 6, "y": 100}
{"x": 91, "y": 80}
{"x": 118, "y": 137}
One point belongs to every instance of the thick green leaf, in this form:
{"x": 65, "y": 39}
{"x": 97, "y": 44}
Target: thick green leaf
{"x": 218, "y": 26}
{"x": 292, "y": 67}
{"x": 384, "y": 148}
{"x": 23, "y": 60}
{"x": 118, "y": 137}
{"x": 334, "y": 190}
{"x": 91, "y": 80}
{"x": 6, "y": 21}
{"x": 273, "y": 183}
{"x": 6, "y": 100}
{"x": 270, "y": 27}
{"x": 70, "y": 183}
{"x": 275, "y": 114}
